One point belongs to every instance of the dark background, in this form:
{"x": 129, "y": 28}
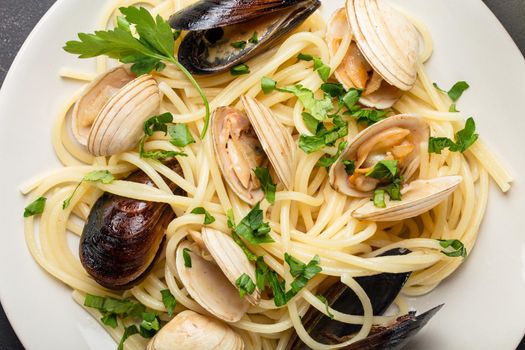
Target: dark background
{"x": 18, "y": 17}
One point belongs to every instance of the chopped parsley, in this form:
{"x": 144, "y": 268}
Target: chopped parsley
{"x": 323, "y": 300}
{"x": 317, "y": 108}
{"x": 301, "y": 272}
{"x": 36, "y": 207}
{"x": 379, "y": 198}
{"x": 102, "y": 176}
{"x": 384, "y": 169}
{"x": 268, "y": 187}
{"x": 268, "y": 85}
{"x": 322, "y": 69}
{"x": 208, "y": 218}
{"x": 454, "y": 93}
{"x": 252, "y": 227}
{"x": 464, "y": 139}
{"x": 180, "y": 135}
{"x": 327, "y": 161}
{"x": 349, "y": 166}
{"x": 240, "y": 69}
{"x": 245, "y": 285}
{"x": 453, "y": 248}
{"x": 323, "y": 136}
{"x": 169, "y": 301}
{"x": 128, "y": 332}
{"x": 245, "y": 249}
{"x": 254, "y": 38}
{"x": 187, "y": 257}
{"x": 239, "y": 44}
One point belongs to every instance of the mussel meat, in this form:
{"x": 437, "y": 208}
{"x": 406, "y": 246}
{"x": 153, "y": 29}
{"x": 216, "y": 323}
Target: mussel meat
{"x": 122, "y": 237}
{"x": 225, "y": 33}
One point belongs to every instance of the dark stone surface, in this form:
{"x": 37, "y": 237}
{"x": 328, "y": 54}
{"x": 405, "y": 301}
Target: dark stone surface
{"x": 18, "y": 17}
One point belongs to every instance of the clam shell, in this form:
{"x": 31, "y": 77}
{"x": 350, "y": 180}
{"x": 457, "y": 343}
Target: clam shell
{"x": 387, "y": 39}
{"x": 192, "y": 331}
{"x": 417, "y": 197}
{"x": 419, "y": 130}
{"x": 207, "y": 285}
{"x": 119, "y": 125}
{"x": 275, "y": 139}
{"x": 93, "y": 99}
{"x": 230, "y": 258}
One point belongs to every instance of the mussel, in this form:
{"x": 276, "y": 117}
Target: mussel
{"x": 109, "y": 116}
{"x": 212, "y": 284}
{"x": 382, "y": 289}
{"x": 245, "y": 141}
{"x": 122, "y": 237}
{"x": 225, "y": 33}
{"x": 400, "y": 139}
{"x": 191, "y": 331}
{"x": 382, "y": 56}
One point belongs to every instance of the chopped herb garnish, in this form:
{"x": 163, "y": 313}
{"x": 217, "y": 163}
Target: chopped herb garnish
{"x": 379, "y": 198}
{"x": 245, "y": 285}
{"x": 267, "y": 185}
{"x": 384, "y": 169}
{"x": 261, "y": 272}
{"x": 305, "y": 57}
{"x": 155, "y": 43}
{"x": 160, "y": 123}
{"x": 322, "y": 69}
{"x": 324, "y": 137}
{"x": 310, "y": 122}
{"x": 268, "y": 85}
{"x": 240, "y": 69}
{"x": 162, "y": 154}
{"x": 110, "y": 320}
{"x": 333, "y": 89}
{"x": 349, "y": 166}
{"x": 327, "y": 161}
{"x": 231, "y": 218}
{"x": 252, "y": 227}
{"x": 454, "y": 93}
{"x": 128, "y": 332}
{"x": 317, "y": 108}
{"x": 278, "y": 289}
{"x": 351, "y": 98}
{"x": 245, "y": 249}
{"x": 150, "y": 321}
{"x": 180, "y": 135}
{"x": 239, "y": 44}
{"x": 102, "y": 176}
{"x": 453, "y": 248}
{"x": 323, "y": 300}
{"x": 369, "y": 116}
{"x": 301, "y": 272}
{"x": 36, "y": 207}
{"x": 464, "y": 139}
{"x": 254, "y": 39}
{"x": 169, "y": 301}
{"x": 208, "y": 218}
{"x": 187, "y": 257}
{"x": 394, "y": 189}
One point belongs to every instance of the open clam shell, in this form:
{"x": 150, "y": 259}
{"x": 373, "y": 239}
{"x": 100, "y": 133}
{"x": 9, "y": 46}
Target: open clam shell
{"x": 418, "y": 197}
{"x": 360, "y": 150}
{"x": 230, "y": 258}
{"x": 215, "y": 25}
{"x": 389, "y": 42}
{"x": 110, "y": 115}
{"x": 191, "y": 331}
{"x": 208, "y": 286}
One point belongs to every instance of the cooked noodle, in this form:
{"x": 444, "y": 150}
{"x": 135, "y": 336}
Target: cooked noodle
{"x": 310, "y": 219}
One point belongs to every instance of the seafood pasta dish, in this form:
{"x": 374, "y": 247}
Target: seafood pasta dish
{"x": 248, "y": 174}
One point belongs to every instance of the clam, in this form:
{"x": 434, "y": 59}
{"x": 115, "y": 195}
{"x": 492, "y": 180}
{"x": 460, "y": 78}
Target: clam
{"x": 215, "y": 25}
{"x": 123, "y": 237}
{"x": 382, "y": 57}
{"x": 400, "y": 138}
{"x": 109, "y": 116}
{"x": 243, "y": 142}
{"x": 212, "y": 283}
{"x": 192, "y": 331}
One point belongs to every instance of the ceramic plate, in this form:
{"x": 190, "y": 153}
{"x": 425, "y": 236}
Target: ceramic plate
{"x": 484, "y": 300}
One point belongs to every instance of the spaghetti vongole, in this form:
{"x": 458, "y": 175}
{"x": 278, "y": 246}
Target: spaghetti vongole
{"x": 306, "y": 237}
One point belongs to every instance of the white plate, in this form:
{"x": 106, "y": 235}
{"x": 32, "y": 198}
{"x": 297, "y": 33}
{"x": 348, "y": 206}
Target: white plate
{"x": 485, "y": 299}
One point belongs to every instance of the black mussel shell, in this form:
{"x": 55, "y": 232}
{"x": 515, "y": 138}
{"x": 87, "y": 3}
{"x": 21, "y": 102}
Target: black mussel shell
{"x": 209, "y": 14}
{"x": 382, "y": 289}
{"x": 213, "y": 50}
{"x": 122, "y": 237}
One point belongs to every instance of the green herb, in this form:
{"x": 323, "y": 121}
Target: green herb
{"x": 154, "y": 44}
{"x": 245, "y": 249}
{"x": 369, "y": 116}
{"x": 317, "y": 108}
{"x": 454, "y": 93}
{"x": 268, "y": 85}
{"x": 187, "y": 257}
{"x": 394, "y": 189}
{"x": 268, "y": 187}
{"x": 102, "y": 176}
{"x": 464, "y": 139}
{"x": 119, "y": 307}
{"x": 180, "y": 135}
{"x": 379, "y": 198}
{"x": 231, "y": 218}
{"x": 110, "y": 319}
{"x": 261, "y": 273}
{"x": 323, "y": 300}
{"x": 349, "y": 166}
{"x": 169, "y": 301}
{"x": 453, "y": 248}
{"x": 254, "y": 39}
{"x": 240, "y": 69}
{"x": 305, "y": 57}
{"x": 324, "y": 137}
{"x": 384, "y": 169}
{"x": 351, "y": 98}
{"x": 239, "y": 44}
{"x": 160, "y": 123}
{"x": 162, "y": 154}
{"x": 301, "y": 272}
{"x": 277, "y": 286}
{"x": 253, "y": 229}
{"x": 128, "y": 332}
{"x": 333, "y": 89}
{"x": 208, "y": 218}
{"x": 150, "y": 321}
{"x": 310, "y": 122}
{"x": 245, "y": 285}
{"x": 176, "y": 34}
{"x": 36, "y": 207}
{"x": 327, "y": 161}
{"x": 322, "y": 69}
{"x": 157, "y": 123}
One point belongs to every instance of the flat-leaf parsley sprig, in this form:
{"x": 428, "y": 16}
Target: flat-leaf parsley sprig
{"x": 155, "y": 43}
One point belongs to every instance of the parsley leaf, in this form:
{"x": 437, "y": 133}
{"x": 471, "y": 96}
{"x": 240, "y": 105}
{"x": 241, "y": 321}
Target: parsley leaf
{"x": 239, "y": 44}
{"x": 254, "y": 39}
{"x": 159, "y": 154}
{"x": 333, "y": 89}
{"x": 317, "y": 108}
{"x": 323, "y": 300}
{"x": 384, "y": 169}
{"x": 128, "y": 332}
{"x": 349, "y": 166}
{"x": 322, "y": 69}
{"x": 310, "y": 122}
{"x": 245, "y": 285}
{"x": 324, "y": 137}
{"x": 154, "y": 44}
{"x": 268, "y": 187}
{"x": 268, "y": 85}
{"x": 102, "y": 176}
{"x": 261, "y": 272}
{"x": 379, "y": 198}
{"x": 453, "y": 248}
{"x": 240, "y": 69}
{"x": 245, "y": 249}
{"x": 150, "y": 321}
{"x": 208, "y": 218}
{"x": 394, "y": 189}
{"x": 351, "y": 98}
{"x": 277, "y": 286}
{"x": 231, "y": 219}
{"x": 36, "y": 207}
{"x": 305, "y": 57}
{"x": 187, "y": 257}
{"x": 180, "y": 135}
{"x": 253, "y": 229}
{"x": 301, "y": 272}
{"x": 454, "y": 93}
{"x": 169, "y": 301}
{"x": 327, "y": 161}
{"x": 369, "y": 116}
{"x": 110, "y": 319}
{"x": 464, "y": 139}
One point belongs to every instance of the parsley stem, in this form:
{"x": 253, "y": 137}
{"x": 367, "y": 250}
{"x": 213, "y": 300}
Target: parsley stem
{"x": 199, "y": 90}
